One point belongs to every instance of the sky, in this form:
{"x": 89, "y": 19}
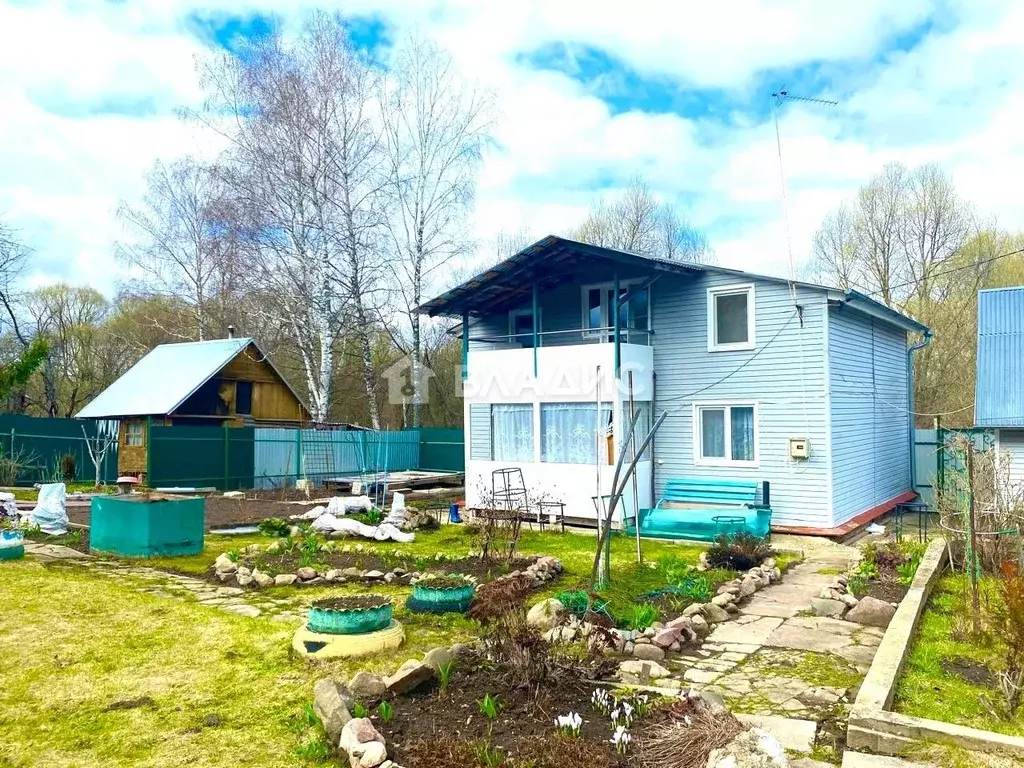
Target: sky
{"x": 589, "y": 95}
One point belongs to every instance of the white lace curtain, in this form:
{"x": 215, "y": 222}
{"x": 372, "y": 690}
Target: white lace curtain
{"x": 512, "y": 432}
{"x": 569, "y": 431}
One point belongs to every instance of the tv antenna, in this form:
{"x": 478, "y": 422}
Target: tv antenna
{"x": 778, "y": 98}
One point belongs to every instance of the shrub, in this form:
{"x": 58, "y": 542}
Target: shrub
{"x": 67, "y": 468}
{"x": 496, "y": 599}
{"x": 739, "y": 552}
{"x": 1008, "y": 623}
{"x": 640, "y": 617}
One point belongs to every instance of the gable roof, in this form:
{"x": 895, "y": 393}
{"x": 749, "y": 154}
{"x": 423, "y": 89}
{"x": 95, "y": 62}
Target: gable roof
{"x": 550, "y": 262}
{"x": 999, "y": 386}
{"x": 165, "y": 377}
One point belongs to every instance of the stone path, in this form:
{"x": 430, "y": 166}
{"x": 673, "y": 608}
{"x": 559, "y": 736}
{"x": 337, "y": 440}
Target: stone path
{"x": 176, "y": 586}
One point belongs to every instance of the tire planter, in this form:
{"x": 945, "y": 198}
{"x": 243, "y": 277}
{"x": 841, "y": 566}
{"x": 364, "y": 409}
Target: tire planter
{"x": 349, "y": 621}
{"x": 12, "y": 545}
{"x": 427, "y": 599}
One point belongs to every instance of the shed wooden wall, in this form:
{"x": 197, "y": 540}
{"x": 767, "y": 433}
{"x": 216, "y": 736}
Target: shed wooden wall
{"x": 272, "y": 400}
{"x": 131, "y": 459}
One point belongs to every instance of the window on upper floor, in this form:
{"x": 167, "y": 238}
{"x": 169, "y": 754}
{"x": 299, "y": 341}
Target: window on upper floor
{"x": 730, "y": 318}
{"x": 725, "y": 434}
{"x": 633, "y": 305}
{"x": 520, "y": 327}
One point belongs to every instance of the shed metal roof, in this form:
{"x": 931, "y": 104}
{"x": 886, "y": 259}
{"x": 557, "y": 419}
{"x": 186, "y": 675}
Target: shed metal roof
{"x": 999, "y": 386}
{"x": 555, "y": 260}
{"x": 163, "y": 379}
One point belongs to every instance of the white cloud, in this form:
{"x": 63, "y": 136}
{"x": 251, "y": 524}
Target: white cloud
{"x": 65, "y": 163}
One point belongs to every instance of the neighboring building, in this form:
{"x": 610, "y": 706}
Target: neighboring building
{"x": 225, "y": 382}
{"x": 999, "y": 386}
{"x": 746, "y": 366}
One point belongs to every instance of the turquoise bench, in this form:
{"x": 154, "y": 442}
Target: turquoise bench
{"x": 704, "y": 509}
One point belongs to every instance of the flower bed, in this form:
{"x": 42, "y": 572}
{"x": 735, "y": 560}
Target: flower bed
{"x": 352, "y": 615}
{"x": 436, "y": 593}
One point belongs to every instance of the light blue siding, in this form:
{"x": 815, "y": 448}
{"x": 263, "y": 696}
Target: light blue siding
{"x": 479, "y": 432}
{"x": 785, "y": 375}
{"x": 868, "y": 393}
{"x": 999, "y": 387}
{"x": 1011, "y": 448}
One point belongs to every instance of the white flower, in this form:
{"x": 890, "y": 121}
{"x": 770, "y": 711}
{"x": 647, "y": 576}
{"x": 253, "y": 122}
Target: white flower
{"x": 621, "y": 739}
{"x": 569, "y": 724}
{"x": 687, "y": 720}
{"x": 600, "y": 700}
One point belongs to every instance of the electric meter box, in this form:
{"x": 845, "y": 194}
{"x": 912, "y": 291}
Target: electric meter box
{"x": 799, "y": 448}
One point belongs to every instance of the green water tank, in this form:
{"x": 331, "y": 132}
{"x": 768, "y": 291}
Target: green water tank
{"x": 146, "y": 525}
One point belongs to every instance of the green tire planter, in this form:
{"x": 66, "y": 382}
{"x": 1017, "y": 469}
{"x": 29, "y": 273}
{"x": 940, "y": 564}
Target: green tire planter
{"x": 449, "y": 599}
{"x": 12, "y": 553}
{"x": 329, "y": 618}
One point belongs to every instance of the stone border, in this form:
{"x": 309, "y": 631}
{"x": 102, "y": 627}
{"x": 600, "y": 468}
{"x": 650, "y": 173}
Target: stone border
{"x": 872, "y": 724}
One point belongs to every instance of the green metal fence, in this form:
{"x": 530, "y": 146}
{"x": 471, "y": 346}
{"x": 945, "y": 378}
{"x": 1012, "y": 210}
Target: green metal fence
{"x": 31, "y": 450}
{"x": 219, "y": 457}
{"x": 442, "y": 450}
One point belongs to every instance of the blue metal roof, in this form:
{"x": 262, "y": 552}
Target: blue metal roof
{"x": 164, "y": 379}
{"x": 999, "y": 387}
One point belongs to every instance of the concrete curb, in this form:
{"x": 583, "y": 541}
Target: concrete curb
{"x": 872, "y": 725}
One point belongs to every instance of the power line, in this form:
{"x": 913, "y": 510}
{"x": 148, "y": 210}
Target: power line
{"x": 972, "y": 265}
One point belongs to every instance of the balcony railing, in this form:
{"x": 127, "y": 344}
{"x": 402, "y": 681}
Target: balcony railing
{"x": 570, "y": 337}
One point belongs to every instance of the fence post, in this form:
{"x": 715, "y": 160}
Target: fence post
{"x": 298, "y": 453}
{"x": 12, "y": 443}
{"x": 149, "y": 450}
{"x": 227, "y": 455}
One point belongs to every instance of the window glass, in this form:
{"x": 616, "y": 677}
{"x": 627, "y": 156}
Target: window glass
{"x": 638, "y": 303}
{"x": 712, "y": 431}
{"x": 133, "y": 433}
{"x": 522, "y": 328}
{"x": 569, "y": 431}
{"x": 512, "y": 432}
{"x": 594, "y": 308}
{"x": 742, "y": 433}
{"x": 731, "y": 318}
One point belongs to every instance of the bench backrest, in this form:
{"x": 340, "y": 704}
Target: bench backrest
{"x": 694, "y": 489}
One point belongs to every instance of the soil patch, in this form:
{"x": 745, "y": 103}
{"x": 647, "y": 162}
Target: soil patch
{"x": 351, "y": 603}
{"x": 973, "y": 672}
{"x": 435, "y": 729}
{"x": 889, "y": 590}
{"x": 142, "y": 701}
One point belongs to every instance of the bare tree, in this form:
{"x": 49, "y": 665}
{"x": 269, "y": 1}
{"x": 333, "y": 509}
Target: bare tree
{"x": 98, "y": 445}
{"x": 184, "y": 246}
{"x": 13, "y": 259}
{"x": 636, "y": 221}
{"x": 835, "y": 251}
{"x": 435, "y": 126}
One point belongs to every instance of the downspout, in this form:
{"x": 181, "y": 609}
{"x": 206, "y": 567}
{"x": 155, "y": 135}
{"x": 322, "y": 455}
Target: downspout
{"x": 911, "y": 426}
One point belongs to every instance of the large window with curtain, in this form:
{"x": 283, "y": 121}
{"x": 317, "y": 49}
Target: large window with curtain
{"x": 725, "y": 434}
{"x": 569, "y": 433}
{"x": 512, "y": 432}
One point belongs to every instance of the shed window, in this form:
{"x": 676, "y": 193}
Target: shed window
{"x": 725, "y": 434}
{"x": 243, "y": 398}
{"x": 730, "y": 318}
{"x": 133, "y": 433}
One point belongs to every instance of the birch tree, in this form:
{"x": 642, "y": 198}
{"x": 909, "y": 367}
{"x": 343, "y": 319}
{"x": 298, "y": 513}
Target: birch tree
{"x": 435, "y": 127}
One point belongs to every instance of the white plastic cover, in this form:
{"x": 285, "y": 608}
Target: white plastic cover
{"x": 51, "y": 513}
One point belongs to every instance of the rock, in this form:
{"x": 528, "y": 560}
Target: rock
{"x": 408, "y": 677}
{"x": 374, "y": 575}
{"x": 635, "y": 668}
{"x": 225, "y": 577}
{"x": 244, "y": 580}
{"x": 437, "y": 658}
{"x": 366, "y": 686}
{"x": 224, "y": 564}
{"x": 748, "y": 587}
{"x": 681, "y": 622}
{"x": 723, "y": 599}
{"x": 306, "y": 573}
{"x": 362, "y": 744}
{"x": 262, "y": 579}
{"x": 714, "y": 614}
{"x": 850, "y": 600}
{"x": 233, "y": 494}
{"x": 545, "y": 615}
{"x": 666, "y": 638}
{"x": 285, "y": 579}
{"x": 352, "y": 573}
{"x": 648, "y": 652}
{"x": 330, "y": 702}
{"x": 871, "y": 612}
{"x": 823, "y": 606}
{"x": 776, "y": 574}
{"x": 693, "y": 609}
{"x": 768, "y": 563}
{"x": 333, "y": 575}
{"x": 700, "y": 626}
{"x": 751, "y": 749}
{"x": 243, "y": 571}
{"x": 389, "y": 577}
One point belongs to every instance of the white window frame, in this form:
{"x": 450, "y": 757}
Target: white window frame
{"x": 730, "y": 290}
{"x": 514, "y": 313}
{"x": 698, "y": 442}
{"x": 606, "y": 309}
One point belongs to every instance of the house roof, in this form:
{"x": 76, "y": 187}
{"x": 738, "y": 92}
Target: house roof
{"x": 162, "y": 380}
{"x": 552, "y": 260}
{"x": 999, "y": 386}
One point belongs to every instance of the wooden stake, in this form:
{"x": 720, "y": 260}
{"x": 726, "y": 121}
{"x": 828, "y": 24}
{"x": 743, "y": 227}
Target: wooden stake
{"x": 972, "y": 554}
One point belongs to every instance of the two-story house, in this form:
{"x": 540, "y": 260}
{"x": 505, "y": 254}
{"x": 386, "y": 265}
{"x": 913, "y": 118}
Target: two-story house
{"x": 802, "y": 386}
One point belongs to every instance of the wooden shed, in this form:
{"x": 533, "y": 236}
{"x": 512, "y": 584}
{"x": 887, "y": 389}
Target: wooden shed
{"x": 225, "y": 382}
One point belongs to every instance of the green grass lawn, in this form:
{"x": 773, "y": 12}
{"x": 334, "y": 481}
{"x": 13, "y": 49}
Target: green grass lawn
{"x": 928, "y": 688}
